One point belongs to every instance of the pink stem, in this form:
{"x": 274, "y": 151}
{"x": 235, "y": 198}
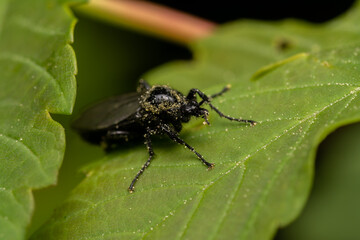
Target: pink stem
{"x": 152, "y": 18}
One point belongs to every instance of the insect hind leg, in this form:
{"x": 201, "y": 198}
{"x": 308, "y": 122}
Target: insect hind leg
{"x": 206, "y": 99}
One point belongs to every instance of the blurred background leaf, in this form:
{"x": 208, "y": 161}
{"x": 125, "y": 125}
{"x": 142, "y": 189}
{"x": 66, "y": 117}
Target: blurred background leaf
{"x": 37, "y": 68}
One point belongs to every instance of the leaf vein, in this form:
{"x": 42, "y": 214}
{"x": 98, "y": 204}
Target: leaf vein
{"x": 290, "y": 88}
{"x": 34, "y": 65}
{"x": 97, "y": 204}
{"x": 232, "y": 197}
{"x": 281, "y": 167}
{"x": 35, "y": 27}
{"x": 279, "y": 136}
{"x": 28, "y": 150}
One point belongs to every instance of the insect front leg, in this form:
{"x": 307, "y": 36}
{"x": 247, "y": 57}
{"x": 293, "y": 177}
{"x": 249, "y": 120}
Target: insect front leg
{"x": 147, "y": 163}
{"x": 224, "y": 90}
{"x": 174, "y": 136}
{"x": 192, "y": 95}
{"x": 206, "y": 99}
{"x": 252, "y": 122}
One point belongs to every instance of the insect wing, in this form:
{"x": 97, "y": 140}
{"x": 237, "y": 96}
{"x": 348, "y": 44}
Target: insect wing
{"x": 108, "y": 112}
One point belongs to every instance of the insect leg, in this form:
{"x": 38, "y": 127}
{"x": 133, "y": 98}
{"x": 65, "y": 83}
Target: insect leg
{"x": 225, "y": 89}
{"x": 252, "y": 122}
{"x": 193, "y": 91}
{"x": 147, "y": 163}
{"x": 206, "y": 99}
{"x": 174, "y": 136}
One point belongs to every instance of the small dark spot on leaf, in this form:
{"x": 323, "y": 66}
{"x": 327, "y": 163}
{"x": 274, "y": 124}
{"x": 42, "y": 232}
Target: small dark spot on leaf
{"x": 283, "y": 44}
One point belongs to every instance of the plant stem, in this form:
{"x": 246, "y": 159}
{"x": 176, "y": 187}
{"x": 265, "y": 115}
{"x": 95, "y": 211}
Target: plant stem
{"x": 151, "y": 18}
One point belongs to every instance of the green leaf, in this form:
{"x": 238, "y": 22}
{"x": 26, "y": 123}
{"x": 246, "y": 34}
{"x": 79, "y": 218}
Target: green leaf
{"x": 37, "y": 68}
{"x": 263, "y": 174}
{"x": 331, "y": 212}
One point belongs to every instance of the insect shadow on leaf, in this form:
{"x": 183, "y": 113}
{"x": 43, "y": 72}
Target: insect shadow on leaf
{"x": 152, "y": 110}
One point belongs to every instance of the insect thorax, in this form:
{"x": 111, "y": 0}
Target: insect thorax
{"x": 162, "y": 101}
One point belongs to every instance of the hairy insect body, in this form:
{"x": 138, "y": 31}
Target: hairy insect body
{"x": 161, "y": 104}
{"x": 153, "y": 110}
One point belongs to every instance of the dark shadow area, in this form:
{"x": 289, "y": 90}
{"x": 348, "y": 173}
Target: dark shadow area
{"x": 224, "y": 11}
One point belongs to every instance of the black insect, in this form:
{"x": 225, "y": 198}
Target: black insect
{"x": 149, "y": 111}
